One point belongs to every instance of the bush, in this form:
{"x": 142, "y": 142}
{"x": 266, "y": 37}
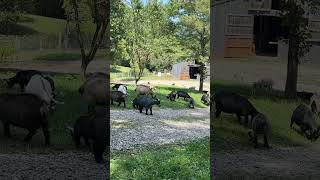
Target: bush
{"x": 6, "y": 52}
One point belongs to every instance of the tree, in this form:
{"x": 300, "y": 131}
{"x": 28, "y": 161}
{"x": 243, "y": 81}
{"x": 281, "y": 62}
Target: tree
{"x": 166, "y": 47}
{"x": 9, "y": 15}
{"x": 145, "y": 35}
{"x": 80, "y": 12}
{"x": 195, "y": 32}
{"x": 118, "y": 32}
{"x": 293, "y": 13}
{"x": 136, "y": 43}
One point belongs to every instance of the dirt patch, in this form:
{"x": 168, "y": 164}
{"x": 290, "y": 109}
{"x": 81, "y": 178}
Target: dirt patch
{"x": 247, "y": 72}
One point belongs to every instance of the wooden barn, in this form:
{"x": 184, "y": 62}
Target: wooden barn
{"x": 241, "y": 28}
{"x": 185, "y": 71}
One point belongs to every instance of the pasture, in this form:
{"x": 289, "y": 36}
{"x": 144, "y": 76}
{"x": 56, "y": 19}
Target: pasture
{"x": 229, "y": 134}
{"x": 176, "y": 161}
{"x": 161, "y": 92}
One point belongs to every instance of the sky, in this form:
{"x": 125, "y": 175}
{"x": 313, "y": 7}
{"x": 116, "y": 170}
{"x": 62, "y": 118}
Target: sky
{"x": 165, "y": 1}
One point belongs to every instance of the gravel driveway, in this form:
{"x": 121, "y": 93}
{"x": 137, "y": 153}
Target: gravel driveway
{"x": 276, "y": 163}
{"x": 131, "y": 129}
{"x": 56, "y": 165}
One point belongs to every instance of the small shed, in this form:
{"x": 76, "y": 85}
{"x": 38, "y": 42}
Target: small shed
{"x": 185, "y": 70}
{"x": 180, "y": 71}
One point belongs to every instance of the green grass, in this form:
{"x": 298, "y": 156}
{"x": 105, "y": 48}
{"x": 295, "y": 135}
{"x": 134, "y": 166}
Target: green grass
{"x": 228, "y": 134}
{"x": 161, "y": 92}
{"x": 119, "y": 69}
{"x": 179, "y": 161}
{"x": 34, "y": 24}
{"x": 60, "y": 56}
{"x": 124, "y": 74}
{"x": 45, "y": 25}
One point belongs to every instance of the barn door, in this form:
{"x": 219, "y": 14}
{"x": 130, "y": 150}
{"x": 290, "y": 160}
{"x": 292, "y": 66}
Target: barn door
{"x": 239, "y": 35}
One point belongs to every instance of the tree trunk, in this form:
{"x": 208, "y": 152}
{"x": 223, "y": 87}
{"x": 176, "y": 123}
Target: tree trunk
{"x": 84, "y": 69}
{"x": 201, "y": 83}
{"x": 292, "y": 71}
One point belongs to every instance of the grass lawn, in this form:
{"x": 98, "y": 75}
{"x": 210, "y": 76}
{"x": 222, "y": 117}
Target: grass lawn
{"x": 123, "y": 73}
{"x": 41, "y": 24}
{"x": 228, "y": 134}
{"x": 178, "y": 161}
{"x": 161, "y": 93}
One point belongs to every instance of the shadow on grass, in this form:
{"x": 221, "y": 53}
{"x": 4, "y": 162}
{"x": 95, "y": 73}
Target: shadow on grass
{"x": 58, "y": 56}
{"x": 115, "y": 69}
{"x": 17, "y": 29}
{"x": 26, "y": 19}
{"x": 179, "y": 161}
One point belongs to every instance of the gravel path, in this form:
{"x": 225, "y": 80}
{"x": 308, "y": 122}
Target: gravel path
{"x": 56, "y": 165}
{"x": 131, "y": 129}
{"x": 276, "y": 163}
{"x": 72, "y": 67}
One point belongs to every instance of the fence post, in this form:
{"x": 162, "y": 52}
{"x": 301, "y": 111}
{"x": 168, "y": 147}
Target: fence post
{"x": 60, "y": 39}
{"x": 40, "y": 43}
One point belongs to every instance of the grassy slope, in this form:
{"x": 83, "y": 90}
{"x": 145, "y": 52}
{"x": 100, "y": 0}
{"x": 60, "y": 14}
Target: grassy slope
{"x": 228, "y": 134}
{"x": 119, "y": 69}
{"x": 45, "y": 25}
{"x": 180, "y": 161}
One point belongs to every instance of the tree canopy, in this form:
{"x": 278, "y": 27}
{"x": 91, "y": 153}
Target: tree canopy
{"x": 157, "y": 35}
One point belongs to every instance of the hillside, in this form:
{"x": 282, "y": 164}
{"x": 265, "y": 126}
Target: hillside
{"x": 41, "y": 24}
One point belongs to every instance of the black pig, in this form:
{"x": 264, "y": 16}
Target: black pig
{"x": 26, "y": 111}
{"x": 93, "y": 127}
{"x": 233, "y": 103}
{"x": 172, "y": 96}
{"x": 119, "y": 97}
{"x": 183, "y": 94}
{"x": 147, "y": 103}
